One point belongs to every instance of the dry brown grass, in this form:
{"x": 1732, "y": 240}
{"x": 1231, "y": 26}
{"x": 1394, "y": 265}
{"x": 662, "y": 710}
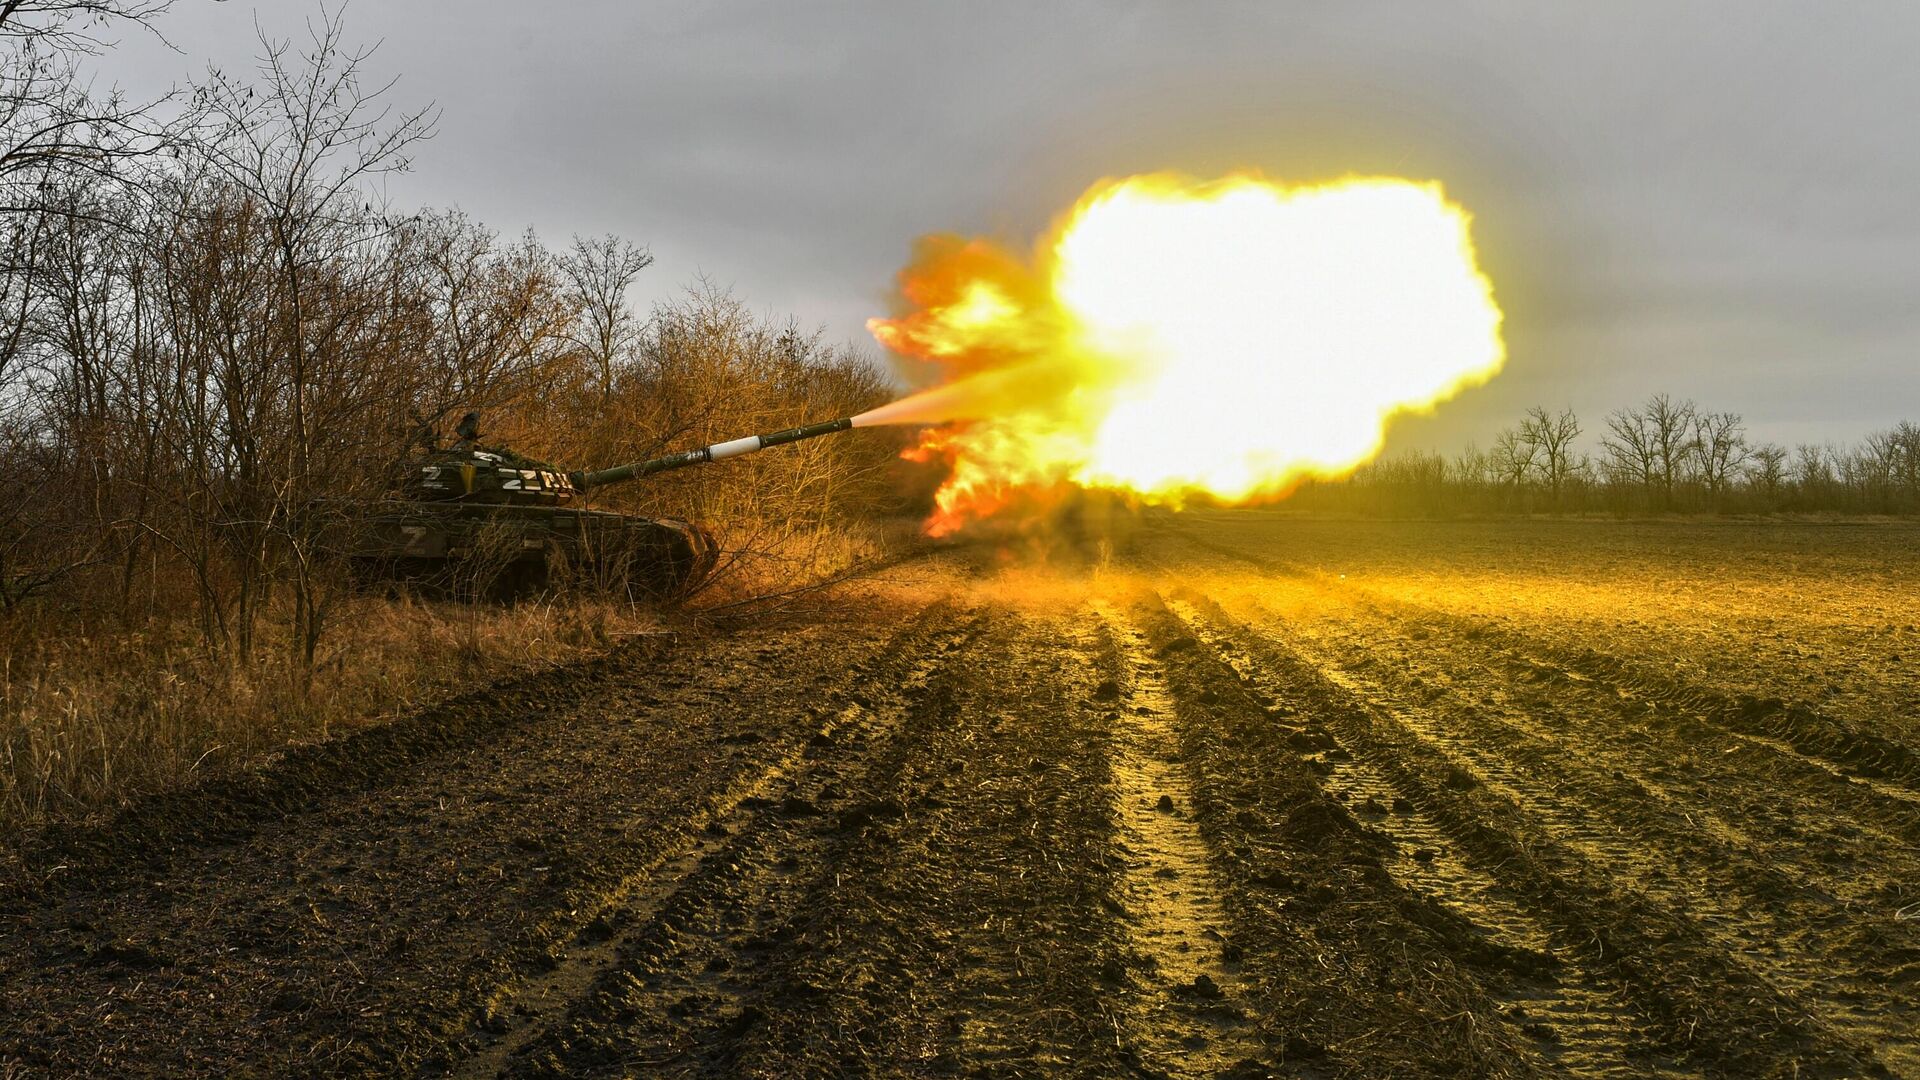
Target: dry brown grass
{"x": 90, "y": 718}
{"x": 759, "y": 563}
{"x": 94, "y": 715}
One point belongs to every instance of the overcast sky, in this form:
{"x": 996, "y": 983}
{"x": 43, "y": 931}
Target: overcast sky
{"x": 1721, "y": 201}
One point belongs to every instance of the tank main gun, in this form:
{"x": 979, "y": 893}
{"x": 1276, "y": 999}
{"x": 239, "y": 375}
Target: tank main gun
{"x": 584, "y": 480}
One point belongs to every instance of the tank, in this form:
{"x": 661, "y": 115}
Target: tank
{"x": 476, "y": 521}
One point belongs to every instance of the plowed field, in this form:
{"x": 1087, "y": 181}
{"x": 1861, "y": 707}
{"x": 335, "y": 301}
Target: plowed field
{"x": 1242, "y": 796}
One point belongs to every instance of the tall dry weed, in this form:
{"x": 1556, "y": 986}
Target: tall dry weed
{"x": 90, "y": 718}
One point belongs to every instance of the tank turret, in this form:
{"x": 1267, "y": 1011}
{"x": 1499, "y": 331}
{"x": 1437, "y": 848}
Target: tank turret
{"x": 469, "y": 472}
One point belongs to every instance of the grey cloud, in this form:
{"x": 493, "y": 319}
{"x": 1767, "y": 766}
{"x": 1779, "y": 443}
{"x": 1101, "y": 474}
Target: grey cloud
{"x": 1712, "y": 198}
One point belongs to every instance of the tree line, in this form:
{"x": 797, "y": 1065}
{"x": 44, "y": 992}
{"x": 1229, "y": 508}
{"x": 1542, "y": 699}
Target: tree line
{"x": 1661, "y": 456}
{"x": 211, "y": 324}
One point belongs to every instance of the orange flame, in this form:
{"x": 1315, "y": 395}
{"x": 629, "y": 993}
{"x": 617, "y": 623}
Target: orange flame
{"x": 1173, "y": 337}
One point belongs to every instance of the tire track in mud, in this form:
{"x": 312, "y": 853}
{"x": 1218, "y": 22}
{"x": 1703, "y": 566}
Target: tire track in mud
{"x": 1810, "y": 899}
{"x": 1834, "y": 745}
{"x": 1578, "y": 1020}
{"x": 772, "y": 750}
{"x": 753, "y": 825}
{"x": 1829, "y": 830}
{"x": 1837, "y": 745}
{"x": 1186, "y": 1016}
{"x": 1891, "y": 803}
{"x": 1702, "y": 1000}
{"x": 1789, "y": 906}
{"x": 1806, "y": 827}
{"x": 1638, "y": 692}
{"x": 1344, "y": 970}
{"x": 949, "y": 911}
{"x": 1805, "y": 874}
{"x": 1667, "y": 724}
{"x": 366, "y": 934}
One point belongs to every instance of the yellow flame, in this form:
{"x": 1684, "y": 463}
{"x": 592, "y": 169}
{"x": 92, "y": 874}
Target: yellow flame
{"x": 1230, "y": 337}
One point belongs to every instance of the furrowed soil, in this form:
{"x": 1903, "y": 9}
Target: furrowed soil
{"x": 1235, "y": 795}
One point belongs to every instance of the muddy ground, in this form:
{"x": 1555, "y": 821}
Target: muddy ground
{"x": 1235, "y": 796}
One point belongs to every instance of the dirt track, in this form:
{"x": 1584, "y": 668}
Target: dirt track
{"x": 1256, "y": 797}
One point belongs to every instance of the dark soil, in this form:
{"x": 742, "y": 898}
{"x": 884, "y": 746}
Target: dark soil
{"x": 1256, "y": 798}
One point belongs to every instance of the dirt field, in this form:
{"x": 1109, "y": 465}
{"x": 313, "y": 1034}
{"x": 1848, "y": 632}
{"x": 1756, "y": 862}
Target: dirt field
{"x": 1252, "y": 796}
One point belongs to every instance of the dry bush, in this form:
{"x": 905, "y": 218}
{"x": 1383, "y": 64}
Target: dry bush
{"x": 707, "y": 369}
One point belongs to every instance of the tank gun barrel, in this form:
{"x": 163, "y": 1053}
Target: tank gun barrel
{"x": 584, "y": 480}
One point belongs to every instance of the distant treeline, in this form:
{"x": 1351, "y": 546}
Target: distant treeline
{"x": 1663, "y": 456}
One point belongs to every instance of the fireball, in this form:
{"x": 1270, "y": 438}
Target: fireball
{"x": 1174, "y": 337}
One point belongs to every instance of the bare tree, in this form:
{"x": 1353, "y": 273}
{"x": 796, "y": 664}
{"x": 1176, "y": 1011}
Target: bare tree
{"x": 57, "y": 137}
{"x": 1652, "y": 443}
{"x": 1471, "y": 471}
{"x": 71, "y": 26}
{"x": 1905, "y": 440}
{"x": 1552, "y": 436}
{"x": 51, "y": 127}
{"x": 1719, "y": 447}
{"x": 1513, "y": 458}
{"x": 1813, "y": 473}
{"x": 1629, "y": 449}
{"x": 1671, "y": 425}
{"x": 296, "y": 151}
{"x": 497, "y": 318}
{"x": 1877, "y": 468}
{"x": 600, "y": 271}
{"x": 1766, "y": 472}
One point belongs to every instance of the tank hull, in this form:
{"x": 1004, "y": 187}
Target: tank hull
{"x": 482, "y": 550}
